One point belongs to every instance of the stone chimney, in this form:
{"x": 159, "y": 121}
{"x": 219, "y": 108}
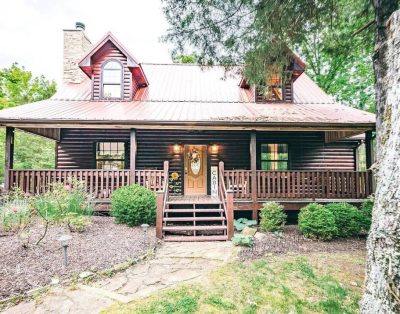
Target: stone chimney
{"x": 76, "y": 44}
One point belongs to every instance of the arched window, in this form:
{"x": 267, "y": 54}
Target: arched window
{"x": 112, "y": 80}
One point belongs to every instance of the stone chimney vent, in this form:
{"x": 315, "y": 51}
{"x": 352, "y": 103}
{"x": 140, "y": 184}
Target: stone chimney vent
{"x": 76, "y": 44}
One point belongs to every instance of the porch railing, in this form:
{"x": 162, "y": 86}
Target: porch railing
{"x": 100, "y": 183}
{"x": 329, "y": 184}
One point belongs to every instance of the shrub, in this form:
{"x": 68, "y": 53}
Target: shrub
{"x": 242, "y": 240}
{"x": 76, "y": 222}
{"x": 317, "y": 222}
{"x": 242, "y": 223}
{"x": 133, "y": 205}
{"x": 15, "y": 215}
{"x": 347, "y": 219}
{"x": 366, "y": 215}
{"x": 273, "y": 217}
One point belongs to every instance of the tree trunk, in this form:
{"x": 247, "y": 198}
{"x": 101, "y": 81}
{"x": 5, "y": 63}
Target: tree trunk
{"x": 382, "y": 286}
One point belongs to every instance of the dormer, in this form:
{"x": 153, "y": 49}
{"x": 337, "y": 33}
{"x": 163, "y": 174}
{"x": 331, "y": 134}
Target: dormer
{"x": 277, "y": 86}
{"x": 116, "y": 75}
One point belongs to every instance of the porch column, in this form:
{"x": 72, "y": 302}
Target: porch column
{"x": 9, "y": 156}
{"x": 253, "y": 167}
{"x": 132, "y": 155}
{"x": 368, "y": 149}
{"x": 369, "y": 159}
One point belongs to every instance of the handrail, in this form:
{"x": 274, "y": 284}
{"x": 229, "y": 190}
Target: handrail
{"x": 166, "y": 185}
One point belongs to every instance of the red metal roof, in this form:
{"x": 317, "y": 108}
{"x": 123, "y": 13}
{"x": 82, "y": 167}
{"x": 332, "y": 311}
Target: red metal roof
{"x": 190, "y": 94}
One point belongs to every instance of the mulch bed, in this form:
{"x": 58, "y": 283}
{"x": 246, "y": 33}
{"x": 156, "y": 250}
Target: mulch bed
{"x": 103, "y": 245}
{"x": 292, "y": 241}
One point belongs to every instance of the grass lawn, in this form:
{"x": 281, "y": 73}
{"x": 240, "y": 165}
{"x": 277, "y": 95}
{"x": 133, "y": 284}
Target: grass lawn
{"x": 313, "y": 283}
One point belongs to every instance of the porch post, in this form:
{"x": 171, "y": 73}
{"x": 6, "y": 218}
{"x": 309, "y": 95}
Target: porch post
{"x": 132, "y": 155}
{"x": 369, "y": 160}
{"x": 253, "y": 166}
{"x": 368, "y": 149}
{"x": 9, "y": 157}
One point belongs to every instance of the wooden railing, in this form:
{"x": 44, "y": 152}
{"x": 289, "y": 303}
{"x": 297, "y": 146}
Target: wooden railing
{"x": 100, "y": 183}
{"x": 329, "y": 184}
{"x": 226, "y": 198}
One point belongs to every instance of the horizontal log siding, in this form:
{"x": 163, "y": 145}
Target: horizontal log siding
{"x": 308, "y": 151}
{"x": 76, "y": 150}
{"x": 109, "y": 51}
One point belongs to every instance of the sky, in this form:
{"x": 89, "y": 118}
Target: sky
{"x": 31, "y": 31}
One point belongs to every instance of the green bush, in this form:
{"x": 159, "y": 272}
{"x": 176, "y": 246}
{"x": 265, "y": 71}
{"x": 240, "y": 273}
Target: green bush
{"x": 15, "y": 214}
{"x": 317, "y": 222}
{"x": 273, "y": 217}
{"x": 242, "y": 240}
{"x": 133, "y": 205}
{"x": 366, "y": 215}
{"x": 347, "y": 219}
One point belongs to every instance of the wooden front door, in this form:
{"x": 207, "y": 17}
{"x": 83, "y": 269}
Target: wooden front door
{"x": 195, "y": 169}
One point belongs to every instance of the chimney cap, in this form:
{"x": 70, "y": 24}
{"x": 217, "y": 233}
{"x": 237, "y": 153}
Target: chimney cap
{"x": 80, "y": 25}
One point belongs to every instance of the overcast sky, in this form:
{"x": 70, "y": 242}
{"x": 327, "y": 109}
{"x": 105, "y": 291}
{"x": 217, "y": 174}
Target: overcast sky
{"x": 31, "y": 30}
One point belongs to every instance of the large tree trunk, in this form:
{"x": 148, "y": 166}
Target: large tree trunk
{"x": 382, "y": 287}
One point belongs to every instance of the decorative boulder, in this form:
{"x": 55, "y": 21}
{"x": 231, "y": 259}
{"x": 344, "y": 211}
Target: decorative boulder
{"x": 249, "y": 231}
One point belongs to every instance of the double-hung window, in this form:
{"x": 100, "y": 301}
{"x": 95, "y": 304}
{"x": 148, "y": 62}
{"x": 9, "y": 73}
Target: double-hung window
{"x": 111, "y": 80}
{"x": 274, "y": 156}
{"x": 110, "y": 155}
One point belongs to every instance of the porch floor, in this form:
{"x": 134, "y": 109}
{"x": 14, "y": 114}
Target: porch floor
{"x": 193, "y": 199}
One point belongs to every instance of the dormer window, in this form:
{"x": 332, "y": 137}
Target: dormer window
{"x": 112, "y": 78}
{"x": 274, "y": 90}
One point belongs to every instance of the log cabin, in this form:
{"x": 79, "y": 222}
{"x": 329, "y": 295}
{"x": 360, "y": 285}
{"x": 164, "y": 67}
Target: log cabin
{"x": 209, "y": 144}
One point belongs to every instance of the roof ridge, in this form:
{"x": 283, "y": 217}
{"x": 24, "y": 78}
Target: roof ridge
{"x": 191, "y": 64}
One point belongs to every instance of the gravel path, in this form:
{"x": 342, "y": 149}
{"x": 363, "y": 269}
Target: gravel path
{"x": 101, "y": 246}
{"x": 292, "y": 241}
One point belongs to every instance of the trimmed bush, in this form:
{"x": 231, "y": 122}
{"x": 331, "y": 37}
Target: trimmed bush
{"x": 133, "y": 205}
{"x": 317, "y": 222}
{"x": 366, "y": 215}
{"x": 347, "y": 219}
{"x": 273, "y": 217}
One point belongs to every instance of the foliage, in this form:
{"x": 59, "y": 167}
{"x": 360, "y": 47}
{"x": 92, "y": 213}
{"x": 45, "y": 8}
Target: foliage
{"x": 366, "y": 215}
{"x": 273, "y": 217}
{"x": 76, "y": 222}
{"x": 65, "y": 203}
{"x": 186, "y": 59}
{"x": 18, "y": 86}
{"x": 15, "y": 212}
{"x": 133, "y": 205}
{"x": 317, "y": 222}
{"x": 277, "y": 284}
{"x": 347, "y": 219}
{"x": 241, "y": 223}
{"x": 255, "y": 33}
{"x": 242, "y": 240}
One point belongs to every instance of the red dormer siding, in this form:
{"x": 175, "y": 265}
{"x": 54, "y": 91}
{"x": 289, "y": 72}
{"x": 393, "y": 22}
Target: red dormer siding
{"x": 105, "y": 53}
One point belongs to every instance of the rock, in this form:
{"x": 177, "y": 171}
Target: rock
{"x": 249, "y": 231}
{"x": 85, "y": 274}
{"x": 260, "y": 236}
{"x": 353, "y": 283}
{"x": 55, "y": 281}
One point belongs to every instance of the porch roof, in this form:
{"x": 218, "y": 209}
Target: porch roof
{"x": 189, "y": 95}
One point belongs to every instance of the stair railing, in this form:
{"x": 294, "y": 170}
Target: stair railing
{"x": 226, "y": 198}
{"x": 162, "y": 199}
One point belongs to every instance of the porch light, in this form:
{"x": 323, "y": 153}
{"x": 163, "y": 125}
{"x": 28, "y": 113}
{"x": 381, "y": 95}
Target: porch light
{"x": 177, "y": 149}
{"x": 214, "y": 149}
{"x": 64, "y": 240}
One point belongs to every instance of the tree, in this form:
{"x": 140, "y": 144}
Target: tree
{"x": 186, "y": 59}
{"x": 255, "y": 33}
{"x": 18, "y": 86}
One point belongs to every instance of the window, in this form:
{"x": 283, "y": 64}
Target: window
{"x": 110, "y": 155}
{"x": 273, "y": 90}
{"x": 112, "y": 80}
{"x": 274, "y": 156}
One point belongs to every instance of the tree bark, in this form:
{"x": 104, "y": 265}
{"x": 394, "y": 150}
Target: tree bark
{"x": 382, "y": 286}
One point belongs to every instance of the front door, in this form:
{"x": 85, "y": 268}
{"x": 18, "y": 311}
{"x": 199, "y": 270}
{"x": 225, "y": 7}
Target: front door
{"x": 195, "y": 169}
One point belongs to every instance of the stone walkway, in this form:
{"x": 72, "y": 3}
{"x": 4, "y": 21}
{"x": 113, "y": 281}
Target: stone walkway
{"x": 174, "y": 263}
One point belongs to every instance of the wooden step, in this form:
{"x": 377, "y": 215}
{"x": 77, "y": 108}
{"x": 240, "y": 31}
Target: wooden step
{"x": 193, "y": 228}
{"x": 197, "y": 210}
{"x": 193, "y": 218}
{"x": 195, "y": 238}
